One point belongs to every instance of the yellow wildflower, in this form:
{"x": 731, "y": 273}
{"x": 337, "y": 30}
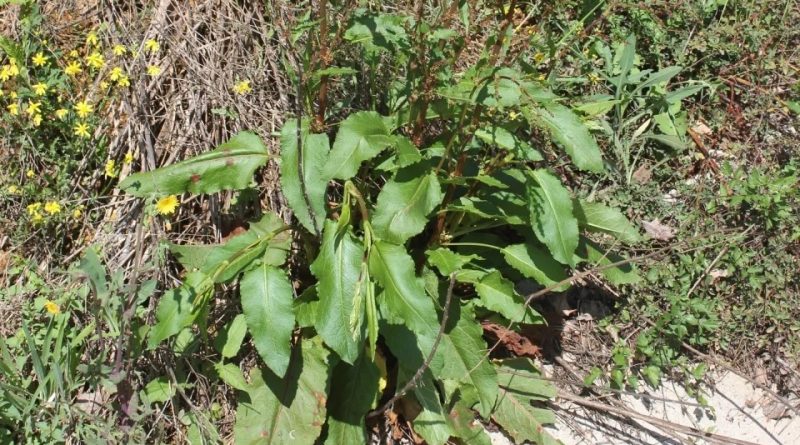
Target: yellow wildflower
{"x": 40, "y": 89}
{"x": 52, "y": 307}
{"x": 128, "y": 158}
{"x": 167, "y": 205}
{"x": 61, "y": 113}
{"x": 111, "y": 168}
{"x": 513, "y": 115}
{"x": 34, "y": 208}
{"x": 34, "y": 108}
{"x": 73, "y": 68}
{"x": 13, "y": 95}
{"x": 153, "y": 70}
{"x": 52, "y": 207}
{"x": 74, "y": 53}
{"x": 538, "y": 57}
{"x": 82, "y": 130}
{"x": 115, "y": 73}
{"x": 77, "y": 212}
{"x": 593, "y": 78}
{"x": 37, "y": 218}
{"x": 13, "y": 109}
{"x": 104, "y": 85}
{"x": 30, "y": 173}
{"x": 91, "y": 39}
{"x": 13, "y": 189}
{"x": 39, "y": 59}
{"x": 124, "y": 81}
{"x": 5, "y": 73}
{"x": 37, "y": 120}
{"x": 152, "y": 46}
{"x": 95, "y": 60}
{"x": 242, "y": 87}
{"x": 13, "y": 69}
{"x": 83, "y": 109}
{"x": 120, "y": 50}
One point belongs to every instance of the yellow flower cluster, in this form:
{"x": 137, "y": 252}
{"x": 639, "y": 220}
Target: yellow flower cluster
{"x": 242, "y": 87}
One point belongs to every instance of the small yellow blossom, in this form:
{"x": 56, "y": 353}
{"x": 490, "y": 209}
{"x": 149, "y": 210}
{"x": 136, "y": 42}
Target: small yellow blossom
{"x": 5, "y": 73}
{"x": 104, "y": 85}
{"x": 82, "y": 130}
{"x": 13, "y": 95}
{"x": 37, "y": 218}
{"x": 95, "y": 60}
{"x": 538, "y": 57}
{"x": 152, "y": 46}
{"x": 242, "y": 87}
{"x": 153, "y": 70}
{"x": 167, "y": 205}
{"x": 34, "y": 108}
{"x": 120, "y": 50}
{"x": 13, "y": 190}
{"x": 74, "y": 53}
{"x": 73, "y": 68}
{"x": 115, "y": 73}
{"x": 13, "y": 69}
{"x": 513, "y": 115}
{"x": 52, "y": 307}
{"x": 34, "y": 208}
{"x": 52, "y": 207}
{"x": 83, "y": 109}
{"x": 593, "y": 78}
{"x": 124, "y": 81}
{"x": 39, "y": 59}
{"x": 77, "y": 212}
{"x": 111, "y": 168}
{"x": 91, "y": 39}
{"x": 30, "y": 173}
{"x": 61, "y": 113}
{"x": 37, "y": 120}
{"x": 40, "y": 89}
{"x": 128, "y": 158}
{"x": 13, "y": 109}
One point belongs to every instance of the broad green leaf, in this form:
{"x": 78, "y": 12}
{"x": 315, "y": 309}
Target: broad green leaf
{"x": 159, "y": 390}
{"x": 361, "y": 137}
{"x": 569, "y": 131}
{"x": 284, "y": 410}
{"x": 267, "y": 305}
{"x": 379, "y": 31}
{"x": 266, "y": 239}
{"x": 354, "y": 389}
{"x": 536, "y": 264}
{"x": 519, "y": 387}
{"x": 431, "y": 423}
{"x": 232, "y": 375}
{"x": 551, "y": 216}
{"x": 338, "y": 269}
{"x": 464, "y": 425}
{"x": 448, "y": 261}
{"x": 597, "y": 108}
{"x": 304, "y": 193}
{"x": 503, "y": 138}
{"x": 658, "y": 77}
{"x": 597, "y": 217}
{"x": 598, "y": 257}
{"x": 230, "y": 338}
{"x": 229, "y": 167}
{"x": 407, "y": 152}
{"x": 177, "y": 307}
{"x": 405, "y": 202}
{"x": 93, "y": 268}
{"x": 497, "y": 294}
{"x": 305, "y": 307}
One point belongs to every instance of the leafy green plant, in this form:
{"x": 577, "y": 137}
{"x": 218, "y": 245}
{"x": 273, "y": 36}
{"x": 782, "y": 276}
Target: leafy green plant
{"x": 438, "y": 189}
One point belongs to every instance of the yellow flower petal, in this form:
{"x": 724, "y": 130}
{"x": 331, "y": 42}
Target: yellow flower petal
{"x": 167, "y": 205}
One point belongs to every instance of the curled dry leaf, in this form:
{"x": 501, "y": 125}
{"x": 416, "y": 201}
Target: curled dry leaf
{"x": 519, "y": 345}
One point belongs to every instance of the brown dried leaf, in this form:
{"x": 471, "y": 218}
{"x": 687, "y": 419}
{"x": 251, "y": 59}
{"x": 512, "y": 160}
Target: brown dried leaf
{"x": 658, "y": 231}
{"x": 517, "y": 344}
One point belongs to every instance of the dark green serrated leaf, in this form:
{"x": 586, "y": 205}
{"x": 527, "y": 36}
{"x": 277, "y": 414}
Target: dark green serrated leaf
{"x": 567, "y": 129}
{"x": 229, "y": 167}
{"x": 361, "y": 137}
{"x": 306, "y": 195}
{"x": 519, "y": 387}
{"x": 267, "y": 305}
{"x": 536, "y": 264}
{"x": 597, "y": 217}
{"x": 266, "y": 239}
{"x": 338, "y": 269}
{"x": 497, "y": 294}
{"x": 551, "y": 216}
{"x": 286, "y": 410}
{"x": 354, "y": 390}
{"x": 405, "y": 202}
{"x": 176, "y": 309}
{"x": 447, "y": 261}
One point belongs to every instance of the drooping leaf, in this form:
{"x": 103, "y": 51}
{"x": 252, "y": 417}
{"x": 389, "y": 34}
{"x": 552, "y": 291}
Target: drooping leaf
{"x": 305, "y": 307}
{"x": 464, "y": 425}
{"x": 95, "y": 271}
{"x": 567, "y": 129}
{"x": 177, "y": 308}
{"x": 503, "y": 138}
{"x": 551, "y": 216}
{"x": 230, "y": 338}
{"x": 497, "y": 294}
{"x": 405, "y": 202}
{"x": 266, "y": 239}
{"x": 354, "y": 389}
{"x": 536, "y": 264}
{"x": 431, "y": 423}
{"x": 291, "y": 409}
{"x": 338, "y": 269}
{"x": 159, "y": 390}
{"x": 599, "y": 257}
{"x": 379, "y": 32}
{"x": 407, "y": 152}
{"x": 361, "y": 137}
{"x": 519, "y": 388}
{"x": 304, "y": 193}
{"x": 229, "y": 167}
{"x": 267, "y": 305}
{"x": 232, "y": 375}
{"x": 597, "y": 217}
{"x": 448, "y": 261}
